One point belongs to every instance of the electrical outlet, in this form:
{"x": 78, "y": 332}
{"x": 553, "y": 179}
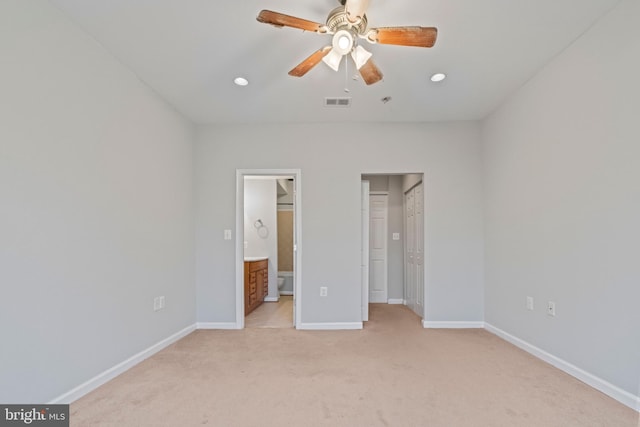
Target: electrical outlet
{"x": 227, "y": 234}
{"x": 396, "y": 236}
{"x": 158, "y": 303}
{"x": 323, "y": 291}
{"x": 551, "y": 308}
{"x": 530, "y": 303}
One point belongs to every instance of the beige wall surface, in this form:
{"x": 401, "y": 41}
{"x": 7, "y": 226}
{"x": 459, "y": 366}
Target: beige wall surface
{"x": 285, "y": 240}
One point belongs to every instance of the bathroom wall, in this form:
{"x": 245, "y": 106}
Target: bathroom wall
{"x": 260, "y": 203}
{"x": 285, "y": 237}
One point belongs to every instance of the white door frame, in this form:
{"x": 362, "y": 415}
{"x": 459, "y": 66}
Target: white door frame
{"x": 297, "y": 239}
{"x": 364, "y": 249}
{"x": 424, "y": 219}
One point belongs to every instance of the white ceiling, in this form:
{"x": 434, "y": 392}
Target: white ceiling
{"x": 189, "y": 52}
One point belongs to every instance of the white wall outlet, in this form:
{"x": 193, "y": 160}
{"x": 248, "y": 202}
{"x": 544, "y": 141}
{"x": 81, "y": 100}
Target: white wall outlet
{"x": 246, "y": 244}
{"x": 551, "y": 308}
{"x": 227, "y": 234}
{"x": 530, "y": 303}
{"x": 158, "y": 303}
{"x": 396, "y": 236}
{"x": 323, "y": 291}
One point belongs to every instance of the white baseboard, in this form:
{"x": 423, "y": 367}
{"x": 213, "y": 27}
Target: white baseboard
{"x": 216, "y": 325}
{"x": 286, "y": 293}
{"x": 605, "y": 387}
{"x": 395, "y": 301}
{"x": 100, "y": 379}
{"x": 330, "y": 326}
{"x": 452, "y": 325}
{"x": 271, "y": 299}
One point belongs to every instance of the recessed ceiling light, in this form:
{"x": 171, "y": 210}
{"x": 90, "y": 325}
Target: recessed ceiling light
{"x": 241, "y": 81}
{"x": 438, "y": 77}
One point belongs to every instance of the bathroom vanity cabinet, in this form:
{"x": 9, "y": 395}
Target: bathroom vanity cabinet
{"x": 256, "y": 284}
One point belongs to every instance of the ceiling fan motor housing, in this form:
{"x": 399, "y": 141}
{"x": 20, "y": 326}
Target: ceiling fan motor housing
{"x": 337, "y": 20}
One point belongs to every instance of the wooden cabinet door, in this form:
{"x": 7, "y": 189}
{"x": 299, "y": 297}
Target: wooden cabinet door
{"x": 256, "y": 284}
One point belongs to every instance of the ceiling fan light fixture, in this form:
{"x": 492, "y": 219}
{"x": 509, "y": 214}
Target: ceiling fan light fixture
{"x": 332, "y": 59}
{"x": 438, "y": 77}
{"x": 360, "y": 56}
{"x": 343, "y": 42}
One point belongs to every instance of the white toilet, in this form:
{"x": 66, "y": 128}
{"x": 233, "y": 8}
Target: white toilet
{"x": 280, "y": 283}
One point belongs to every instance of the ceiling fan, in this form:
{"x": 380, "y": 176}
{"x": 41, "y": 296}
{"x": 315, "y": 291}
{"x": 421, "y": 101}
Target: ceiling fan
{"x": 348, "y": 23}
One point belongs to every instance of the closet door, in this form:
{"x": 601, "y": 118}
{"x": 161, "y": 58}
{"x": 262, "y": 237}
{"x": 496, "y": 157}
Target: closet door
{"x": 414, "y": 249}
{"x": 378, "y": 213}
{"x": 419, "y": 249}
{"x": 409, "y": 264}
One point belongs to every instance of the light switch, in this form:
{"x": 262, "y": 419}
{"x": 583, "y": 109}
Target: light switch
{"x": 227, "y": 234}
{"x": 396, "y": 236}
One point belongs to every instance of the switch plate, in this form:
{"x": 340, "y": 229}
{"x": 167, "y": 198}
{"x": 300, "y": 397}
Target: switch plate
{"x": 323, "y": 291}
{"x": 156, "y": 304}
{"x": 161, "y": 301}
{"x": 396, "y": 236}
{"x": 227, "y": 234}
{"x": 551, "y": 308}
{"x": 530, "y": 303}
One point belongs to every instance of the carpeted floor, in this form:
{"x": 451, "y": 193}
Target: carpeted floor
{"x": 392, "y": 373}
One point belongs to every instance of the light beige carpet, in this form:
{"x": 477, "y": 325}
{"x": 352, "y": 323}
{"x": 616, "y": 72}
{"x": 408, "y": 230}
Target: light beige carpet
{"x": 392, "y": 373}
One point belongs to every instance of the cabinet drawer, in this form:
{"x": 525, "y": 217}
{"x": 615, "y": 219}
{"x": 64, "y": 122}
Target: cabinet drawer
{"x": 258, "y": 265}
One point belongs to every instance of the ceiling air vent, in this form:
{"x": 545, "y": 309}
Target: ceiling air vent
{"x": 337, "y": 102}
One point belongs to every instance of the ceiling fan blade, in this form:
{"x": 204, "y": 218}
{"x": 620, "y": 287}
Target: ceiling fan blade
{"x": 370, "y": 73}
{"x": 282, "y": 20}
{"x": 314, "y": 59}
{"x": 404, "y": 36}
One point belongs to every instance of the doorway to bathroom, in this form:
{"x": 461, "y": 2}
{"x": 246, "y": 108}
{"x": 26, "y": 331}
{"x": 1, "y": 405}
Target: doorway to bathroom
{"x": 268, "y": 249}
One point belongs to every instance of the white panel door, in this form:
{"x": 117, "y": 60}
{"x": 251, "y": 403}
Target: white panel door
{"x": 414, "y": 249}
{"x": 419, "y": 249}
{"x": 378, "y": 277}
{"x": 364, "y": 249}
{"x": 409, "y": 264}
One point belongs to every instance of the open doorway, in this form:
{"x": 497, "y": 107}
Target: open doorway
{"x": 267, "y": 253}
{"x": 393, "y": 268}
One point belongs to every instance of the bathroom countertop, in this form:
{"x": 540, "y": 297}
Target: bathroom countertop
{"x": 255, "y": 258}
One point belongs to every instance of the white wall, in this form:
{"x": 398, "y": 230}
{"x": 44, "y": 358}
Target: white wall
{"x": 396, "y": 247}
{"x": 449, "y": 154}
{"x": 96, "y": 212}
{"x": 260, "y": 203}
{"x": 562, "y": 187}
